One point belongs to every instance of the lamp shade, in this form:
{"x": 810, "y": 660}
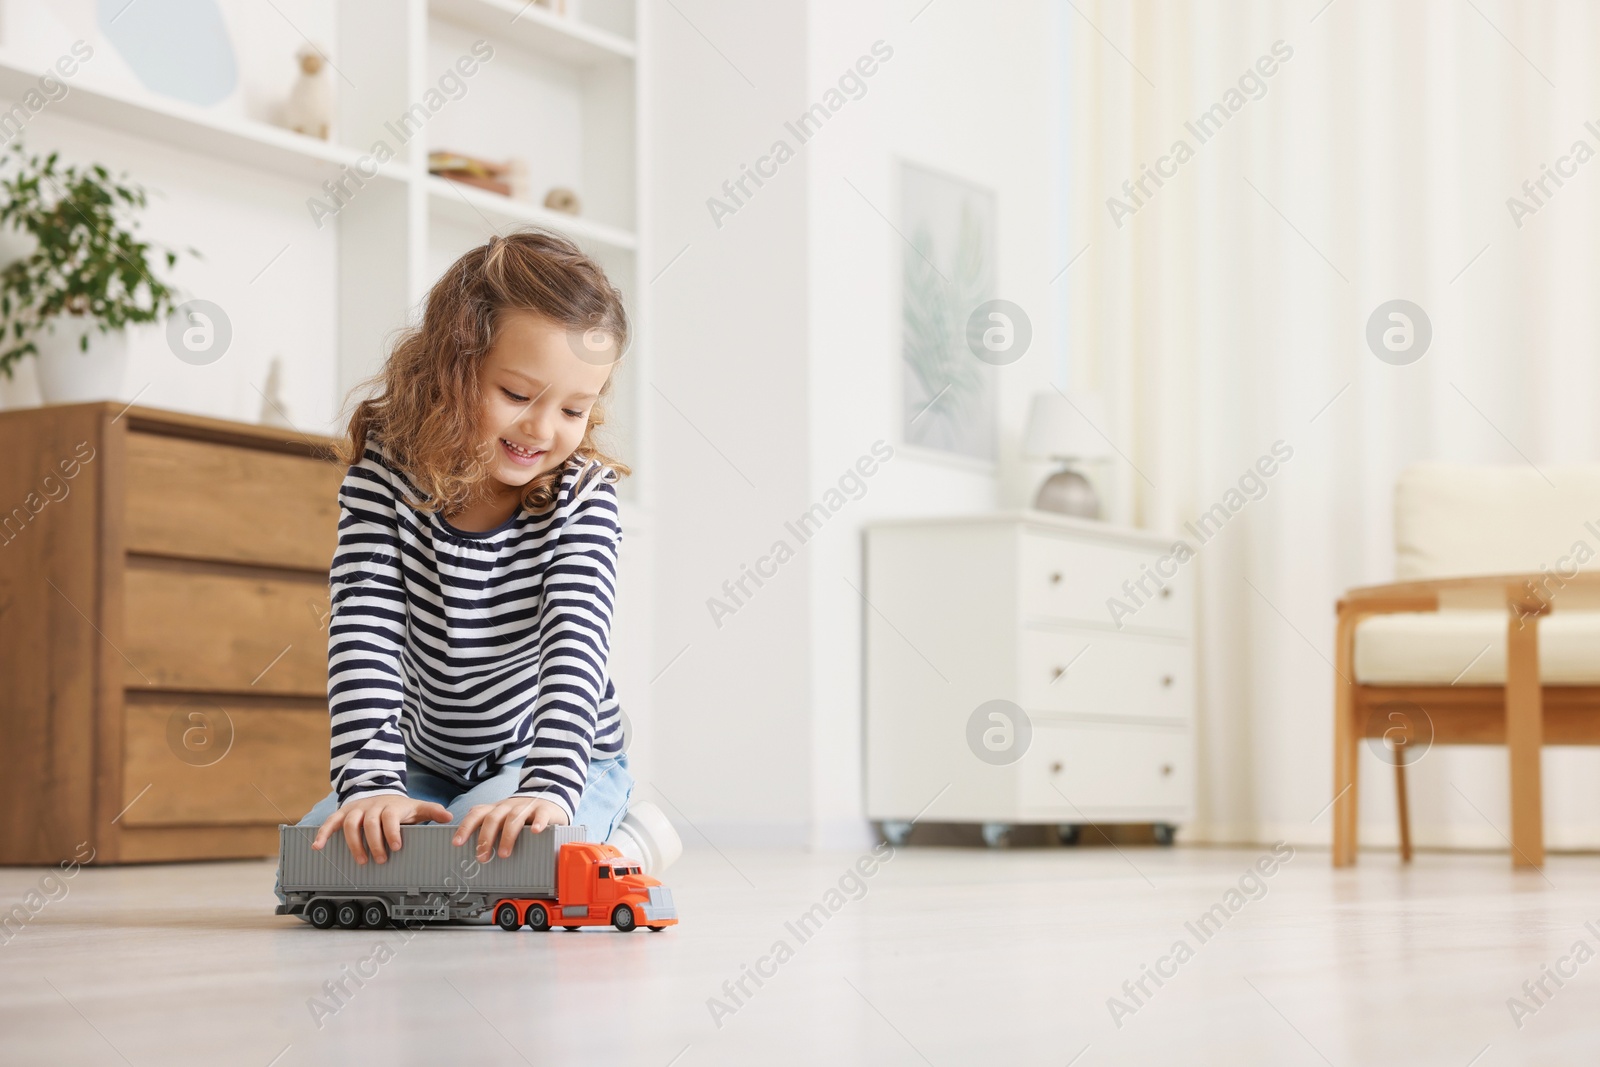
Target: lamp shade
{"x": 1060, "y": 427}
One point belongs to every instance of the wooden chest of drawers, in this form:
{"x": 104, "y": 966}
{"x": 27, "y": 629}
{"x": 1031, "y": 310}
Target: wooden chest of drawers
{"x": 163, "y": 641}
{"x": 1010, "y": 615}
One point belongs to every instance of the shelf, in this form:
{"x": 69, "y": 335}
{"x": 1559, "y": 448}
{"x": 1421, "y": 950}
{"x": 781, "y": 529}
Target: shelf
{"x": 519, "y": 22}
{"x": 476, "y": 208}
{"x": 250, "y": 144}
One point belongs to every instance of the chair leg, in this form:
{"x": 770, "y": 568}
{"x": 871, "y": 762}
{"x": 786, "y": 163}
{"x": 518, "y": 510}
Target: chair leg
{"x": 1346, "y": 747}
{"x": 1525, "y": 739}
{"x": 1401, "y": 807}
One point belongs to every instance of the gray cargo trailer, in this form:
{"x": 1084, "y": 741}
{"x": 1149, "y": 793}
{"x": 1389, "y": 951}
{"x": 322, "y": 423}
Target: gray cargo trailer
{"x": 427, "y": 879}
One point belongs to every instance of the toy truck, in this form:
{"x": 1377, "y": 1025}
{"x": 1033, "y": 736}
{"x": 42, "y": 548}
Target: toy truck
{"x": 554, "y": 878}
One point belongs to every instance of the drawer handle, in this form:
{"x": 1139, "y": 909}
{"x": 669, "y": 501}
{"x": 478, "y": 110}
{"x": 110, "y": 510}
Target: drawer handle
{"x": 1055, "y": 577}
{"x": 1166, "y": 770}
{"x": 1165, "y": 592}
{"x": 1055, "y": 768}
{"x": 1166, "y": 681}
{"x": 1057, "y": 673}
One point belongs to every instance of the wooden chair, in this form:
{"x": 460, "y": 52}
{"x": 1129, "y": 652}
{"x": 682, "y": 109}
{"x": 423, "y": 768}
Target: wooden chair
{"x": 1503, "y": 701}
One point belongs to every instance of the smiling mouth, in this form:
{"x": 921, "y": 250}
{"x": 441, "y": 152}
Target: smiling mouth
{"x": 519, "y": 454}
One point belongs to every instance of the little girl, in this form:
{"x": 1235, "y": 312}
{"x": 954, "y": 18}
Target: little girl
{"x": 474, "y": 581}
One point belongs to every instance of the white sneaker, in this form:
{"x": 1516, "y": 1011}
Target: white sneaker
{"x": 645, "y": 834}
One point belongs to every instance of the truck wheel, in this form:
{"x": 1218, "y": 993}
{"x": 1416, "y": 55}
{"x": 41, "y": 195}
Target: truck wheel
{"x": 622, "y": 918}
{"x": 320, "y": 914}
{"x": 538, "y": 918}
{"x": 657, "y": 929}
{"x": 506, "y": 916}
{"x": 349, "y": 915}
{"x": 374, "y": 915}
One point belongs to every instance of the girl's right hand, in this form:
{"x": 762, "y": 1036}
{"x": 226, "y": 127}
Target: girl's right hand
{"x": 377, "y": 819}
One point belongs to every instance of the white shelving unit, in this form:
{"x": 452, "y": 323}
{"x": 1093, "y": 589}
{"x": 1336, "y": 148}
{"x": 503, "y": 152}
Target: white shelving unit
{"x": 560, "y": 91}
{"x": 538, "y": 29}
{"x": 192, "y": 129}
{"x": 464, "y": 205}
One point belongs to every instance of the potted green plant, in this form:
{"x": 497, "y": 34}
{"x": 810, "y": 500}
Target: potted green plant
{"x": 87, "y": 278}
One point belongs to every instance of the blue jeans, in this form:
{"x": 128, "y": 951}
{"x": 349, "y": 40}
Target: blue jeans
{"x": 603, "y": 804}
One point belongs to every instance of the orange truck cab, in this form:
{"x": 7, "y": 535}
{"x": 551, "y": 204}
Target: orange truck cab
{"x": 595, "y": 886}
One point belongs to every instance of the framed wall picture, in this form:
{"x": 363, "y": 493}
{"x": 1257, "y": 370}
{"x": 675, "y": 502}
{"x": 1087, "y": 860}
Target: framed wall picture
{"x": 948, "y": 397}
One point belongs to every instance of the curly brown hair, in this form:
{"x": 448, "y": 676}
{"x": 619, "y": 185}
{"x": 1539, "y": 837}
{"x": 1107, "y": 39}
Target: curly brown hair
{"x": 426, "y": 410}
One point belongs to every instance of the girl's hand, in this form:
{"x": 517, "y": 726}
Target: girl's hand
{"x": 380, "y": 817}
{"x": 506, "y": 820}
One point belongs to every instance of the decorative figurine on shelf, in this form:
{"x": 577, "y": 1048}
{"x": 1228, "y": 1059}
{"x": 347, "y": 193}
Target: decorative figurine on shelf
{"x": 563, "y": 200}
{"x": 309, "y": 109}
{"x": 272, "y": 405}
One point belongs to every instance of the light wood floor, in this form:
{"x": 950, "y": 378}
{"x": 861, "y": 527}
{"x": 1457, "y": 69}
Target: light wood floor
{"x": 951, "y": 956}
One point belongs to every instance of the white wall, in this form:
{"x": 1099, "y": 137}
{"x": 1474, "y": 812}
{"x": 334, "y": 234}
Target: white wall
{"x": 778, "y": 334}
{"x": 729, "y": 404}
{"x": 970, "y": 94}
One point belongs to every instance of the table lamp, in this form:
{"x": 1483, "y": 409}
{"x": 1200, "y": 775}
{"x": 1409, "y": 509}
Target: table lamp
{"x": 1068, "y": 431}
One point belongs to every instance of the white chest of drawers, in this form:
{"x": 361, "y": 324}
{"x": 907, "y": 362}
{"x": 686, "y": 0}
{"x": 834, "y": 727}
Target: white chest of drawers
{"x": 1097, "y": 720}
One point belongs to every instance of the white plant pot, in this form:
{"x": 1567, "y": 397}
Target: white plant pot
{"x": 69, "y": 375}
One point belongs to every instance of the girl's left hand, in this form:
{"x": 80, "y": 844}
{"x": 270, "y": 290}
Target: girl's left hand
{"x": 505, "y": 820}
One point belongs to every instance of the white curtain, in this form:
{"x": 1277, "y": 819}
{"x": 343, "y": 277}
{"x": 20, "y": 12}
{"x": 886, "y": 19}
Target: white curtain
{"x": 1228, "y": 312}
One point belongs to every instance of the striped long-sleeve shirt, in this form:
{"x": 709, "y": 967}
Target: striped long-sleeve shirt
{"x": 472, "y": 652}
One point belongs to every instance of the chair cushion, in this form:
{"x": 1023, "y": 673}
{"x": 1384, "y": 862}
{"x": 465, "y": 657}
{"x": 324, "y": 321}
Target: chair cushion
{"x": 1435, "y": 648}
{"x": 1454, "y": 519}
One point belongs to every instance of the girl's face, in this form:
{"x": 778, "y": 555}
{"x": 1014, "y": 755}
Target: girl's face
{"x": 537, "y": 395}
